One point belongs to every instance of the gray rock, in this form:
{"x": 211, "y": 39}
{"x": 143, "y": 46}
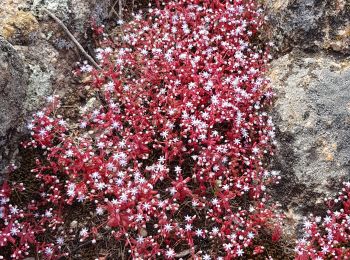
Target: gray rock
{"x": 13, "y": 82}
{"x": 43, "y": 68}
{"x": 59, "y": 7}
{"x": 39, "y": 61}
{"x": 312, "y": 115}
{"x": 311, "y": 75}
{"x": 77, "y": 13}
{"x": 309, "y": 24}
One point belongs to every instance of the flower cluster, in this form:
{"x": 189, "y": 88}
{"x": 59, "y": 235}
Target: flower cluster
{"x": 328, "y": 237}
{"x": 21, "y": 226}
{"x": 172, "y": 158}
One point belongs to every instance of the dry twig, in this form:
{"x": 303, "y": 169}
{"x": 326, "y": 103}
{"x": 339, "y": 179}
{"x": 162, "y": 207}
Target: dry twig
{"x": 71, "y": 36}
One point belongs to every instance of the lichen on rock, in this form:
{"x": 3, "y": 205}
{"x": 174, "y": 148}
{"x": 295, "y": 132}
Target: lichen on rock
{"x": 313, "y": 117}
{"x": 59, "y": 7}
{"x": 311, "y": 77}
{"x": 311, "y": 25}
{"x": 19, "y": 24}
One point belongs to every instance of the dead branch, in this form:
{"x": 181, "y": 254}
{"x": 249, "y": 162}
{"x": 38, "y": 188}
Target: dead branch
{"x": 71, "y": 36}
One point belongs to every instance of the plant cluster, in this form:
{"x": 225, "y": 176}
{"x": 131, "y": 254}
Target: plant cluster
{"x": 328, "y": 237}
{"x": 173, "y": 158}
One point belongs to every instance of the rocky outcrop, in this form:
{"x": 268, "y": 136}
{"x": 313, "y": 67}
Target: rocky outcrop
{"x": 21, "y": 20}
{"x": 312, "y": 114}
{"x": 311, "y": 25}
{"x": 37, "y": 59}
{"x": 311, "y": 76}
{"x": 13, "y": 82}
